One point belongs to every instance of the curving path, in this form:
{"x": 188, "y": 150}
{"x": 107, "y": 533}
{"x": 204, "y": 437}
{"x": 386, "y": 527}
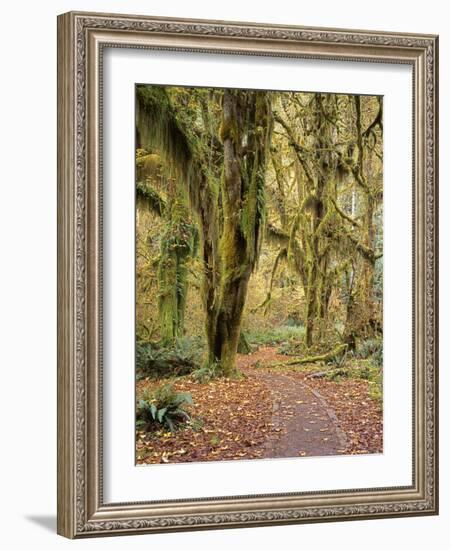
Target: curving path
{"x": 303, "y": 423}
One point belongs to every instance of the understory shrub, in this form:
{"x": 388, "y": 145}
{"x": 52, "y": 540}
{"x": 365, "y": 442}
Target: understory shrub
{"x": 156, "y": 361}
{"x": 371, "y": 348}
{"x": 163, "y": 408}
{"x": 207, "y": 373}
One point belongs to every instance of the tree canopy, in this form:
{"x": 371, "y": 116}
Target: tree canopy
{"x": 256, "y": 209}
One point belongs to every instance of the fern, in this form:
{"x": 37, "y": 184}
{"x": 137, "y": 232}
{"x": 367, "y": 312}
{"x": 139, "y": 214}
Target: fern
{"x": 164, "y": 408}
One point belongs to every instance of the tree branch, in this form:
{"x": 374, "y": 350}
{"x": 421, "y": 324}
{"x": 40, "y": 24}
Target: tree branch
{"x": 344, "y": 215}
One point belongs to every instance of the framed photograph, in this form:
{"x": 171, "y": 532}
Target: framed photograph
{"x": 247, "y": 274}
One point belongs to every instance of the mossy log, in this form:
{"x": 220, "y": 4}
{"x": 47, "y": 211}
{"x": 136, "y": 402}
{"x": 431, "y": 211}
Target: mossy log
{"x": 328, "y": 373}
{"x": 336, "y": 352}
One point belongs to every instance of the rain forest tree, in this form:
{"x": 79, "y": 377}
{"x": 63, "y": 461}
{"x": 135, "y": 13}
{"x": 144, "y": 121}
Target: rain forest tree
{"x": 366, "y": 167}
{"x": 245, "y": 133}
{"x": 335, "y": 161}
{"x": 226, "y": 188}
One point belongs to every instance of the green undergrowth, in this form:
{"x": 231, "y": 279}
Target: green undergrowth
{"x": 366, "y": 369}
{"x": 282, "y": 335}
{"x": 155, "y": 360}
{"x": 205, "y": 374}
{"x": 163, "y": 408}
{"x": 371, "y": 348}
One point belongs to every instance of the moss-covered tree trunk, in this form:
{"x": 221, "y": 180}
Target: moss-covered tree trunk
{"x": 361, "y": 320}
{"x": 311, "y": 309}
{"x": 209, "y": 223}
{"x": 245, "y": 134}
{"x": 321, "y": 212}
{"x": 177, "y": 246}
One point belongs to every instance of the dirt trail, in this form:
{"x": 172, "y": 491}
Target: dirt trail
{"x": 304, "y": 424}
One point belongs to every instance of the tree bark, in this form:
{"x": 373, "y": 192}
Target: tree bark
{"x": 245, "y": 134}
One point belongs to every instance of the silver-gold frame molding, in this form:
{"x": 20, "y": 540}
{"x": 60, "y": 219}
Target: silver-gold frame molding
{"x": 81, "y": 38}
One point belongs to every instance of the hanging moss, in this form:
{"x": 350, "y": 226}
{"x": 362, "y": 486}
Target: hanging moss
{"x": 178, "y": 245}
{"x": 253, "y": 215}
{"x": 160, "y": 128}
{"x": 149, "y": 197}
{"x": 148, "y": 165}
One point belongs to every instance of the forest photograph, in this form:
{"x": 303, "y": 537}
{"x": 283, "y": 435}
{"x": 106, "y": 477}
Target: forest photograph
{"x": 259, "y": 274}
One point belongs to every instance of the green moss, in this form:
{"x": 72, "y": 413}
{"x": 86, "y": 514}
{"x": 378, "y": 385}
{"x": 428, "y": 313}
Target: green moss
{"x": 178, "y": 244}
{"x": 228, "y": 130}
{"x": 148, "y": 196}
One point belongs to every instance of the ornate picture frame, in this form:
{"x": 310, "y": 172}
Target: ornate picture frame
{"x": 82, "y": 38}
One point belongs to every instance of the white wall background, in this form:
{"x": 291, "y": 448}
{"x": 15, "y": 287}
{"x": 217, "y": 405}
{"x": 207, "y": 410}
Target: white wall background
{"x": 28, "y": 272}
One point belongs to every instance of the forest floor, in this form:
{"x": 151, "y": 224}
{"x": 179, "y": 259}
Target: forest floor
{"x": 270, "y": 412}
